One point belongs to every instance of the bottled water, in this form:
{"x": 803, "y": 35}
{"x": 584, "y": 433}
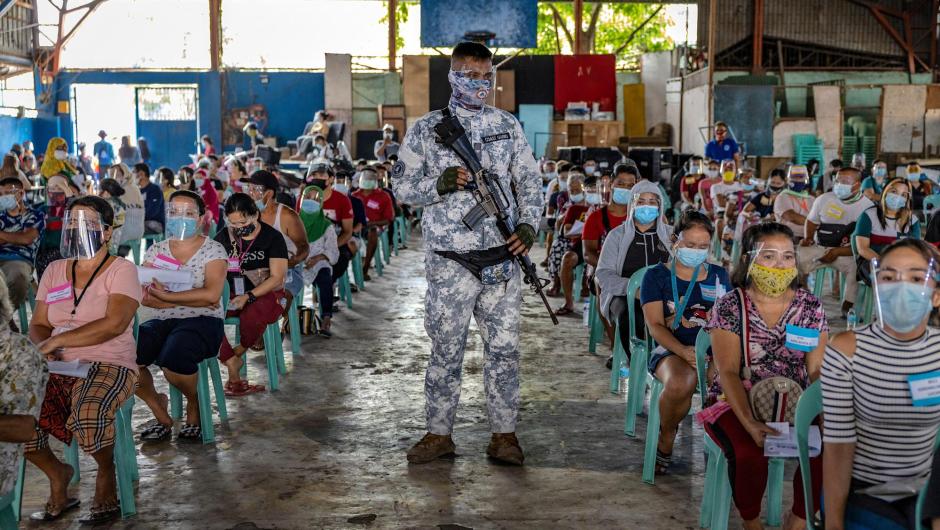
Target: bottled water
{"x": 586, "y": 315}
{"x": 624, "y": 372}
{"x": 851, "y": 320}
{"x": 811, "y": 282}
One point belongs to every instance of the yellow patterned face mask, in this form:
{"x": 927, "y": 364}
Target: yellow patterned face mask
{"x": 772, "y": 282}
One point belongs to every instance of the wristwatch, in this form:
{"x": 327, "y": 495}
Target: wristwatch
{"x": 251, "y": 297}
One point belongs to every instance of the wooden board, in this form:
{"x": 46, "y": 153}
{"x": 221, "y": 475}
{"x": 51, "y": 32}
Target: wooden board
{"x": 634, "y": 110}
{"x": 932, "y": 132}
{"x": 505, "y": 93}
{"x": 933, "y": 97}
{"x": 828, "y": 103}
{"x": 784, "y": 131}
{"x": 902, "y": 119}
{"x": 584, "y": 133}
{"x": 415, "y": 81}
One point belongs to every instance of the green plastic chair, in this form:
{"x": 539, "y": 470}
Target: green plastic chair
{"x": 702, "y": 343}
{"x": 931, "y": 202}
{"x": 865, "y": 299}
{"x": 125, "y": 463}
{"x": 619, "y": 356}
{"x": 22, "y": 309}
{"x": 8, "y": 519}
{"x": 639, "y": 355}
{"x": 345, "y": 289}
{"x": 357, "y": 271}
{"x": 208, "y": 367}
{"x": 716, "y": 248}
{"x": 377, "y": 257}
{"x": 595, "y": 324}
{"x": 293, "y": 320}
{"x": 716, "y": 494}
{"x": 578, "y": 279}
{"x": 386, "y": 246}
{"x": 273, "y": 349}
{"x": 922, "y": 496}
{"x": 809, "y": 407}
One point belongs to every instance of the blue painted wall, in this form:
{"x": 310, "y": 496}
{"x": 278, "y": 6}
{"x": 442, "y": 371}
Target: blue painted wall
{"x": 291, "y": 98}
{"x": 15, "y": 130}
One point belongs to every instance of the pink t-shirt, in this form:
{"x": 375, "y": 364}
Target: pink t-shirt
{"x": 120, "y": 277}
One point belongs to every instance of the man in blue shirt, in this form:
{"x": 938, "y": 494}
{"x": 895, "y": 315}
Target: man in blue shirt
{"x": 723, "y": 147}
{"x": 154, "y": 209}
{"x": 105, "y": 153}
{"x": 20, "y": 228}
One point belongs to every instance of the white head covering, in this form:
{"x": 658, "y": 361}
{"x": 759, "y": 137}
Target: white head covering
{"x": 663, "y": 230}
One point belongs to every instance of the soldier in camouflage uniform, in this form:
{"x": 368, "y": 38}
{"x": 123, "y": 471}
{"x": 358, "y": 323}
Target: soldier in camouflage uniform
{"x": 470, "y": 272}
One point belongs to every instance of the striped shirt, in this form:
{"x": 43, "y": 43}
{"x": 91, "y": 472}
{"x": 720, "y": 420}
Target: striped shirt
{"x": 867, "y": 401}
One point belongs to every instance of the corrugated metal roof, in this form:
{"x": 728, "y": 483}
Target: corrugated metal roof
{"x": 827, "y": 23}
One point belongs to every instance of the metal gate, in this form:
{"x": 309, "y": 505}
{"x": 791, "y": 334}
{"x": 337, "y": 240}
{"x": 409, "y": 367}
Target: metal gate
{"x": 168, "y": 118}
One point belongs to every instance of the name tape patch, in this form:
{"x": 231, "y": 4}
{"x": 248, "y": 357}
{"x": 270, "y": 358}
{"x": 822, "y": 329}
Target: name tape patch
{"x": 496, "y": 137}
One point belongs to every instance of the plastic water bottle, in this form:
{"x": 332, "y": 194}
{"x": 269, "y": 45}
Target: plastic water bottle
{"x": 851, "y": 320}
{"x": 811, "y": 282}
{"x": 586, "y": 315}
{"x": 624, "y": 371}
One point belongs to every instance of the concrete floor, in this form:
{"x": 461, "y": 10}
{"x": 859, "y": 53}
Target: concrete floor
{"x": 327, "y": 451}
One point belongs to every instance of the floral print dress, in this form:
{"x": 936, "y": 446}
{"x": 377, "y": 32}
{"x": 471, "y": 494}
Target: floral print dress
{"x": 770, "y": 355}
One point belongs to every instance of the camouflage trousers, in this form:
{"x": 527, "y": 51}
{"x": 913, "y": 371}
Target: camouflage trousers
{"x": 454, "y": 295}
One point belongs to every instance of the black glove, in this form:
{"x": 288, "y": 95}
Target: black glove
{"x": 447, "y": 182}
{"x": 526, "y": 234}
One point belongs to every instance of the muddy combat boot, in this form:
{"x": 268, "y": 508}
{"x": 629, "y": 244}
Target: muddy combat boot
{"x": 504, "y": 447}
{"x": 430, "y": 448}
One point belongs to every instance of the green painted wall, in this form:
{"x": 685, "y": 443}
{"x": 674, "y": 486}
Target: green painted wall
{"x": 371, "y": 90}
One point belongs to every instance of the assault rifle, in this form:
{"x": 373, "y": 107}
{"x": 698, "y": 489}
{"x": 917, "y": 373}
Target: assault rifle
{"x": 492, "y": 200}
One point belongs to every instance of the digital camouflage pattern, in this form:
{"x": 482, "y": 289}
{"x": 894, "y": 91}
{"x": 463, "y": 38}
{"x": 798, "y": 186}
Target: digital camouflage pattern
{"x": 454, "y": 294}
{"x": 500, "y": 144}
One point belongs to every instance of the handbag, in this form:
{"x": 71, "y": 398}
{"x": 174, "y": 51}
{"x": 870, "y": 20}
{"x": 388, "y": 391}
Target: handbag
{"x": 773, "y": 399}
{"x": 834, "y": 235}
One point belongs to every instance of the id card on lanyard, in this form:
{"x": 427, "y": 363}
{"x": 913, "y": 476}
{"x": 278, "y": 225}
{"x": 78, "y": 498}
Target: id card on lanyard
{"x": 235, "y": 267}
{"x": 680, "y": 307}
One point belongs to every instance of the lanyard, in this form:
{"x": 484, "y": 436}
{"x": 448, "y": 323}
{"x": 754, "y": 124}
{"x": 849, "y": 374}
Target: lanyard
{"x": 243, "y": 253}
{"x": 680, "y": 308}
{"x": 77, "y": 299}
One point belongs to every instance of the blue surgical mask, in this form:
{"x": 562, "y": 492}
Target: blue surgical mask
{"x": 593, "y": 198}
{"x": 260, "y": 204}
{"x": 749, "y": 187}
{"x": 368, "y": 184}
{"x": 645, "y": 214}
{"x": 199, "y": 182}
{"x": 842, "y": 191}
{"x": 309, "y": 206}
{"x": 691, "y": 257}
{"x": 342, "y": 188}
{"x": 894, "y": 201}
{"x": 904, "y": 305}
{"x": 621, "y": 196}
{"x": 914, "y": 176}
{"x": 576, "y": 198}
{"x": 180, "y": 227}
{"x": 880, "y": 173}
{"x": 7, "y": 202}
{"x": 562, "y": 185}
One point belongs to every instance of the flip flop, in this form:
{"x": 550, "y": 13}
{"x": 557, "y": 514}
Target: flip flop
{"x": 241, "y": 388}
{"x": 49, "y": 512}
{"x": 562, "y": 311}
{"x": 156, "y": 432}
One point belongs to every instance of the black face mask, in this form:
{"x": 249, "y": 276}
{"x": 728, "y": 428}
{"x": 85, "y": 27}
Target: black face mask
{"x": 318, "y": 183}
{"x": 777, "y": 189}
{"x": 244, "y": 231}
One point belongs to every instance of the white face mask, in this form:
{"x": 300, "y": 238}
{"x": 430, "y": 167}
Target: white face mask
{"x": 61, "y": 155}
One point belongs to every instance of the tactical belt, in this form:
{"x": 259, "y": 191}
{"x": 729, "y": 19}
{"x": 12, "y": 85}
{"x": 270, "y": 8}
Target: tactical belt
{"x": 477, "y": 260}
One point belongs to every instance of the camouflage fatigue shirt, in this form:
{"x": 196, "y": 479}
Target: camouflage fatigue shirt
{"x": 500, "y": 143}
{"x": 23, "y": 375}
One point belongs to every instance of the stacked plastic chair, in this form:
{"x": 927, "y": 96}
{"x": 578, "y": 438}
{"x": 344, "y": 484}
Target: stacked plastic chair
{"x": 807, "y": 147}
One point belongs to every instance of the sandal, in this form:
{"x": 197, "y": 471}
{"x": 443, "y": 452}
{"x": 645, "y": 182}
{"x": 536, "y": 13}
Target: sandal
{"x": 101, "y": 513}
{"x": 562, "y": 311}
{"x": 52, "y": 512}
{"x": 154, "y": 431}
{"x": 241, "y": 388}
{"x": 190, "y": 432}
{"x": 663, "y": 461}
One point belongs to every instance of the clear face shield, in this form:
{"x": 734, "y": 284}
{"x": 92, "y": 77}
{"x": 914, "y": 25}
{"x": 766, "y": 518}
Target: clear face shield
{"x": 83, "y": 234}
{"x": 182, "y": 220}
{"x": 903, "y": 292}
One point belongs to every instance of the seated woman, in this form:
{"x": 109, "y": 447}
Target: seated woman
{"x": 880, "y": 426}
{"x": 257, "y": 266}
{"x": 199, "y": 182}
{"x": 574, "y": 205}
{"x": 186, "y": 326}
{"x": 573, "y": 224}
{"x": 889, "y": 221}
{"x": 84, "y": 312}
{"x": 323, "y": 252}
{"x": 58, "y": 194}
{"x": 638, "y": 242}
{"x": 676, "y": 300}
{"x": 921, "y": 185}
{"x": 776, "y": 311}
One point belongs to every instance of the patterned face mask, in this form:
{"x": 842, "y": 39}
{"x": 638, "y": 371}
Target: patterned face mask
{"x": 770, "y": 281}
{"x": 468, "y": 93}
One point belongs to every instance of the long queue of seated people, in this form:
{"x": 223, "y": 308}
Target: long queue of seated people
{"x": 226, "y": 240}
{"x": 739, "y": 263}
